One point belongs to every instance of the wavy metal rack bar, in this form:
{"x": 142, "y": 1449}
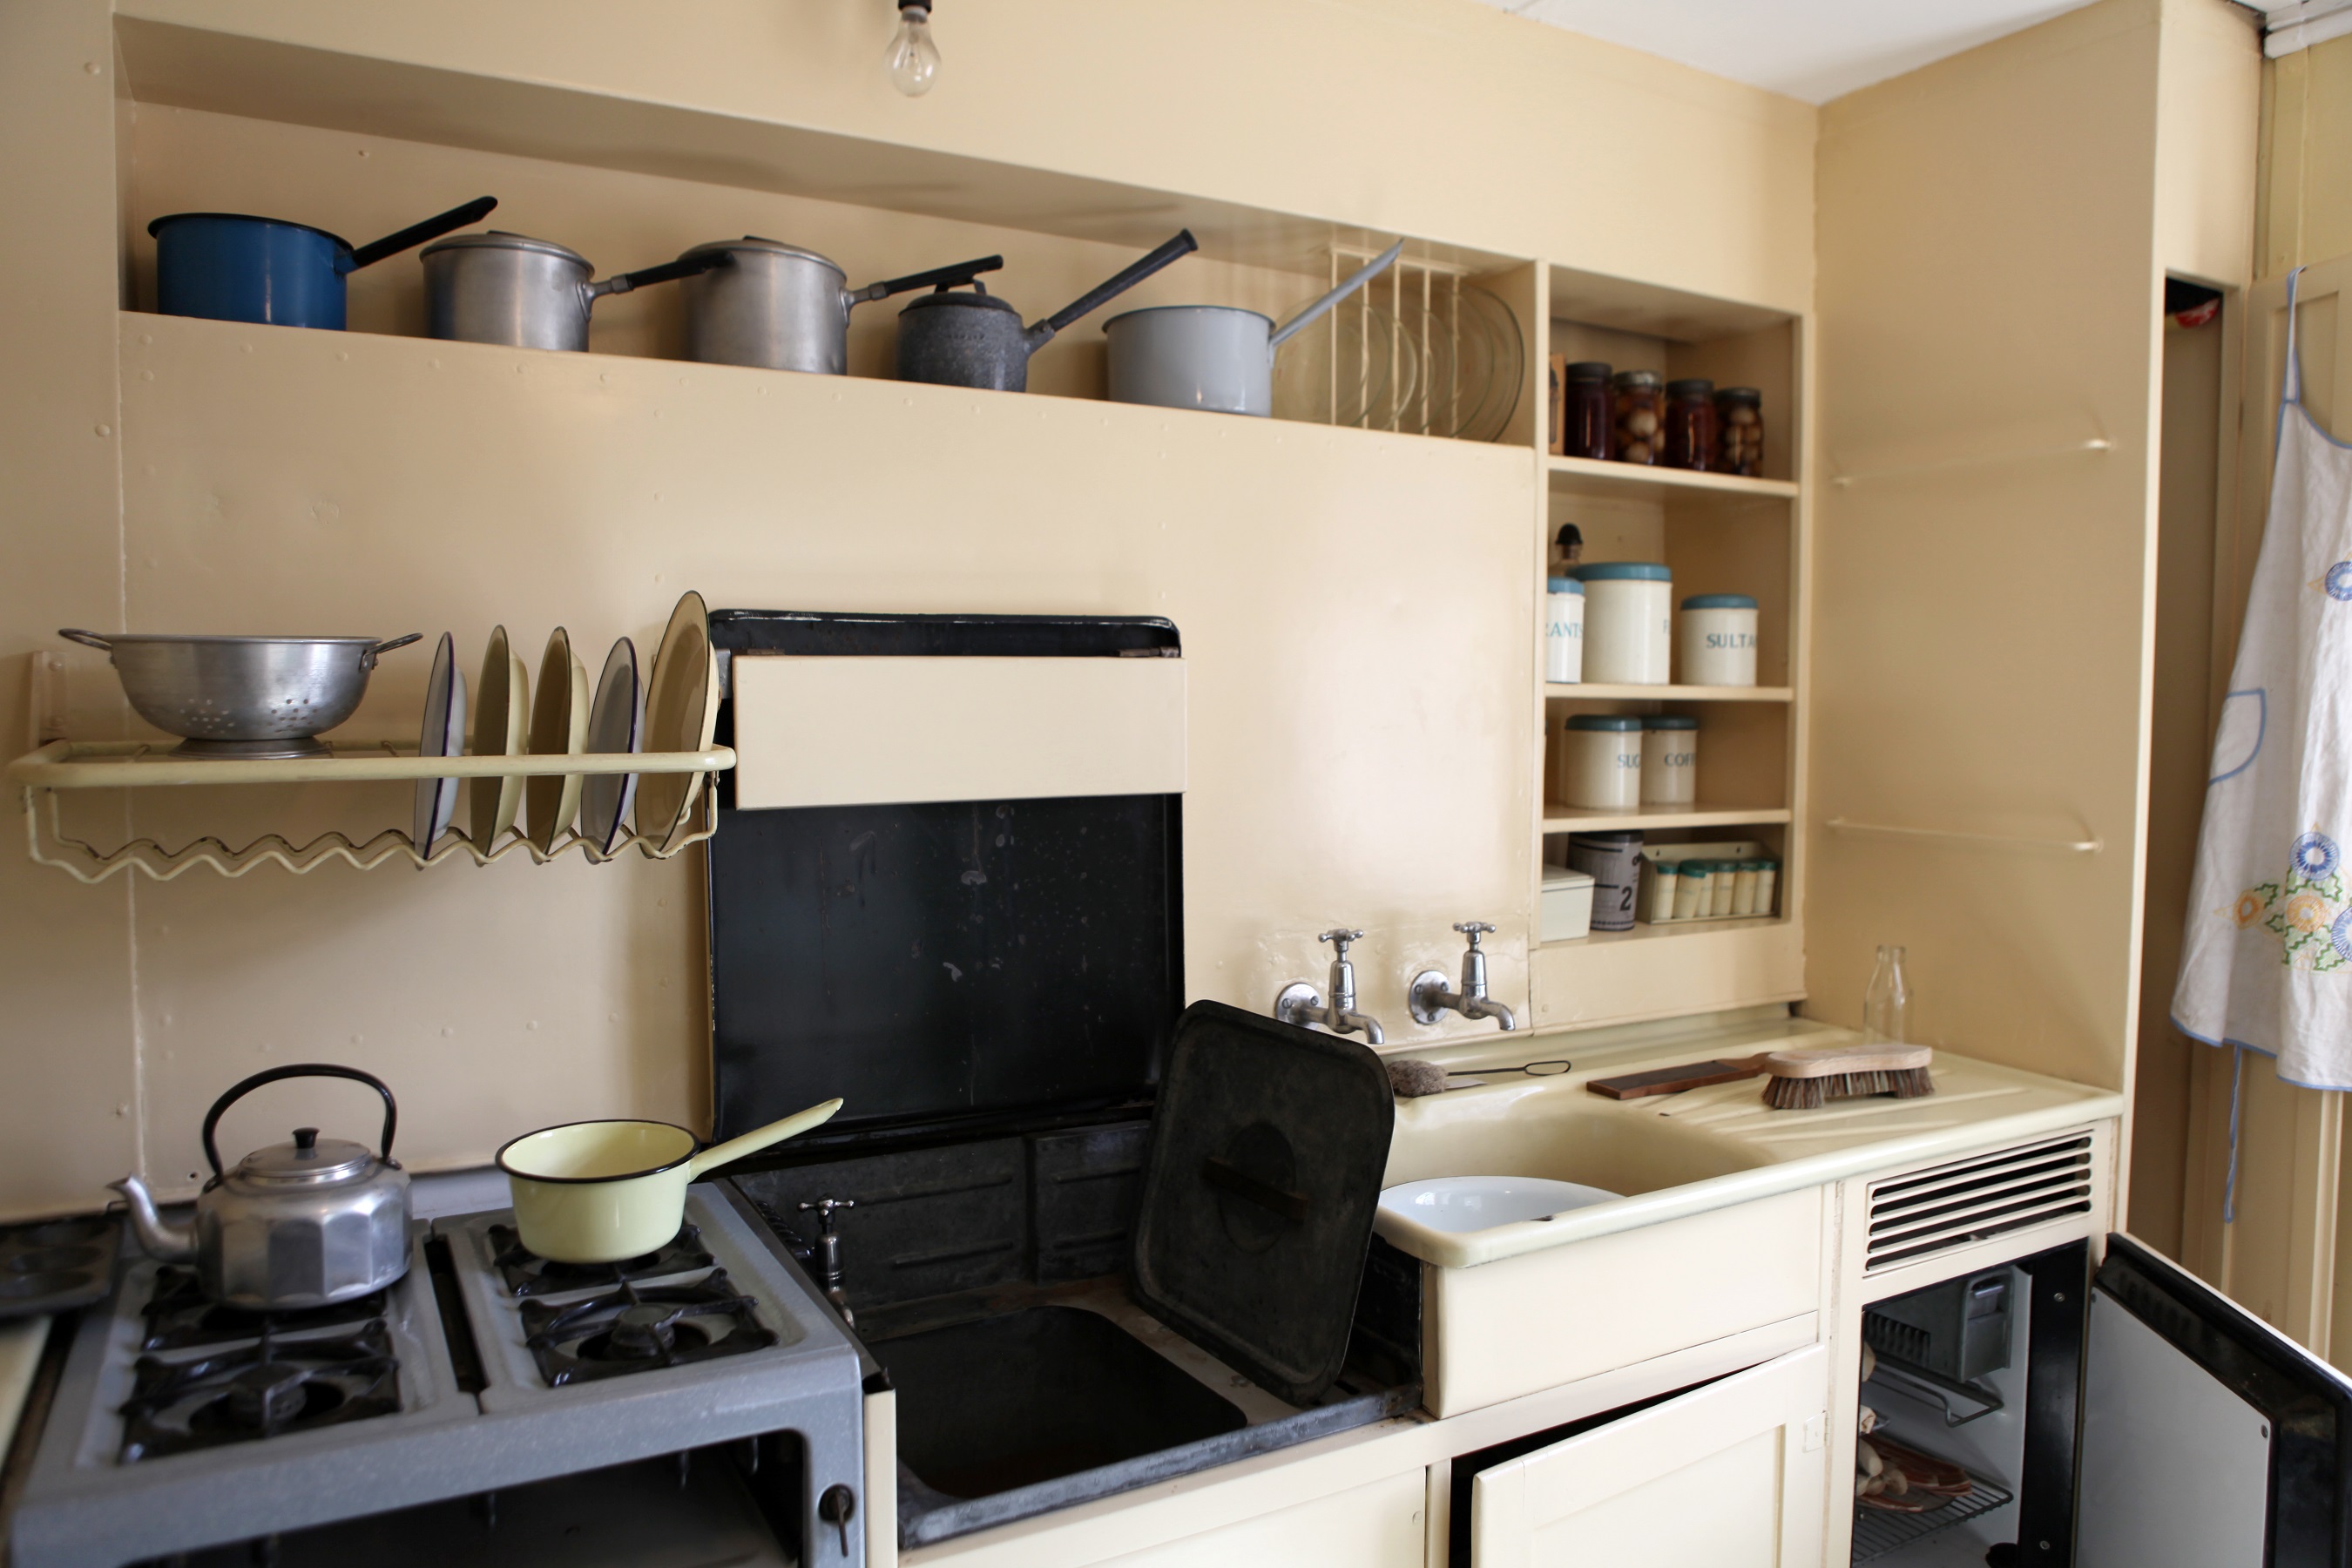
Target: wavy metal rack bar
{"x": 62, "y": 765}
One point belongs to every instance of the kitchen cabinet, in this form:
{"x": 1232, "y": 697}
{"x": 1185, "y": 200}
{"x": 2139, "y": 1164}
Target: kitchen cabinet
{"x": 1374, "y": 1526}
{"x": 1733, "y": 1474}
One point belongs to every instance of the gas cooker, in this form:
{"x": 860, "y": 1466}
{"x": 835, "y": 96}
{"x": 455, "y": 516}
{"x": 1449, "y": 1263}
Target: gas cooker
{"x": 179, "y": 1426}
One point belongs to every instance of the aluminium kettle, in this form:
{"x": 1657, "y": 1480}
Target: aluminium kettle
{"x": 303, "y": 1224}
{"x": 977, "y": 338}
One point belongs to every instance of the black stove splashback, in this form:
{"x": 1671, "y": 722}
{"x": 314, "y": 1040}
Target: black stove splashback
{"x": 944, "y": 965}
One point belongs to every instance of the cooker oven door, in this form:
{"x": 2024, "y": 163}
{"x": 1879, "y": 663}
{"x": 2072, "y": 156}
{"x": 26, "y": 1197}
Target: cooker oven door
{"x": 2208, "y": 1437}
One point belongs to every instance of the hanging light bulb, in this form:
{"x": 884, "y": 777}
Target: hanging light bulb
{"x": 914, "y": 59}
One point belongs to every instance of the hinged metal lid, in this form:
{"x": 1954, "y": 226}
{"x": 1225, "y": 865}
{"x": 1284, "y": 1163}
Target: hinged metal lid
{"x": 307, "y": 1161}
{"x": 499, "y": 239}
{"x": 979, "y": 296}
{"x": 1267, "y": 1149}
{"x": 755, "y": 245}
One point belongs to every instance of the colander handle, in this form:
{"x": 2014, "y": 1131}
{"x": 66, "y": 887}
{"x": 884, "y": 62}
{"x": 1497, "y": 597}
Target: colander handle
{"x": 87, "y": 639}
{"x": 367, "y": 660}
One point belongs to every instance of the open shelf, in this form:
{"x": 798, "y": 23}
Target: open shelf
{"x": 1645, "y": 931}
{"x": 1559, "y": 818}
{"x": 1606, "y": 691}
{"x": 1582, "y": 472}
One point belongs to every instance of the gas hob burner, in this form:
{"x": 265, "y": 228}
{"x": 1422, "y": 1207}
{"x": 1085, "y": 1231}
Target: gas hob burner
{"x": 267, "y": 1389}
{"x": 180, "y": 1316}
{"x": 643, "y": 1329}
{"x": 528, "y": 1274}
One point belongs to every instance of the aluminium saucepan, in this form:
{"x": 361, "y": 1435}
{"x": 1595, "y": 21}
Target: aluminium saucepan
{"x": 779, "y": 307}
{"x": 1216, "y": 357}
{"x": 526, "y": 293}
{"x": 598, "y": 1192}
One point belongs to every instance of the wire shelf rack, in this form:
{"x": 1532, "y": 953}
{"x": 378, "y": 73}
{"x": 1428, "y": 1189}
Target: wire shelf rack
{"x": 1878, "y": 1531}
{"x": 67, "y": 765}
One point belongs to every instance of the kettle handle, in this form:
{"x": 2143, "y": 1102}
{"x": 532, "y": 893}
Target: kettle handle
{"x": 296, "y": 1069}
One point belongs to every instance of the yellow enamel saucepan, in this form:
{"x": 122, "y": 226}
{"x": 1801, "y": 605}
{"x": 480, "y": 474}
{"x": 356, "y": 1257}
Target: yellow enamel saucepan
{"x": 598, "y": 1192}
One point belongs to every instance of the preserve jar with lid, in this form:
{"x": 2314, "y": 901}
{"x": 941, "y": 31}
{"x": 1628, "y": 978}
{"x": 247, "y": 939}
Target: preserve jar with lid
{"x": 1628, "y": 621}
{"x": 1587, "y": 410}
{"x": 1739, "y": 431}
{"x": 1640, "y": 405}
{"x": 1604, "y": 770}
{"x": 1690, "y": 438}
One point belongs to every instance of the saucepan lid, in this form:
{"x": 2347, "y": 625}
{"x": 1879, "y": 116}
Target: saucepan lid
{"x": 1267, "y": 1149}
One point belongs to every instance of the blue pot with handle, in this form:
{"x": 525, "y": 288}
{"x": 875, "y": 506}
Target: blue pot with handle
{"x": 233, "y": 268}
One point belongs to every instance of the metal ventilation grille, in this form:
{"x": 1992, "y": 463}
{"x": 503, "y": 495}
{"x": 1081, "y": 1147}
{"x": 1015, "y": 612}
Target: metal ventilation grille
{"x": 1973, "y": 1200}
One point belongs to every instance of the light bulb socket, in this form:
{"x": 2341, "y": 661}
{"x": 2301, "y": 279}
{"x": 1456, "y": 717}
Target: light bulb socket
{"x": 906, "y": 6}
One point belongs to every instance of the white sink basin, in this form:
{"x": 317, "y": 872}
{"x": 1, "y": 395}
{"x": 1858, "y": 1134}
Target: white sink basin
{"x": 1460, "y": 1204}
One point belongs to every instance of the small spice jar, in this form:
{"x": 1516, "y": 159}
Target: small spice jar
{"x": 1690, "y": 438}
{"x": 1641, "y": 416}
{"x": 1604, "y": 770}
{"x": 1743, "y": 887}
{"x": 1563, "y": 640}
{"x": 1694, "y": 890}
{"x": 1669, "y": 760}
{"x": 1767, "y": 878}
{"x": 1739, "y": 431}
{"x": 1723, "y": 887}
{"x": 1658, "y": 902}
{"x": 1588, "y": 412}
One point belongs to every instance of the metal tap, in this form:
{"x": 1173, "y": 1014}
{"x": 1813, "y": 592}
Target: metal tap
{"x": 1302, "y": 1004}
{"x": 828, "y": 1255}
{"x": 1430, "y": 997}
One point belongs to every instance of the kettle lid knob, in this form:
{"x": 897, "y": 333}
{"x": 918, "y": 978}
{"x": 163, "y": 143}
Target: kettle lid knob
{"x": 306, "y": 1141}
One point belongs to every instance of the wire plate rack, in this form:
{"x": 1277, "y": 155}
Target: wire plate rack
{"x": 62, "y": 765}
{"x": 1878, "y": 1531}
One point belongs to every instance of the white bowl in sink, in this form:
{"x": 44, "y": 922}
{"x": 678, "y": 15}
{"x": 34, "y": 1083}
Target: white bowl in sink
{"x": 1458, "y": 1204}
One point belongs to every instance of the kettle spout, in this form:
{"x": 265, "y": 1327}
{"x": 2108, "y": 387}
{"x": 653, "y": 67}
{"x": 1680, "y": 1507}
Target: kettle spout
{"x": 168, "y": 1243}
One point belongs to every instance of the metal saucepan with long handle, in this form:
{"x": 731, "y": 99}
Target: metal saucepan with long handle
{"x": 242, "y": 698}
{"x": 598, "y": 1192}
{"x": 234, "y": 267}
{"x": 977, "y": 338}
{"x": 1217, "y": 357}
{"x": 525, "y": 293}
{"x": 779, "y": 307}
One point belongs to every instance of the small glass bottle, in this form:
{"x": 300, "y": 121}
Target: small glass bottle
{"x": 1887, "y": 1005}
{"x": 1739, "y": 431}
{"x": 1589, "y": 416}
{"x": 1641, "y": 409}
{"x": 1690, "y": 424}
{"x": 1568, "y": 549}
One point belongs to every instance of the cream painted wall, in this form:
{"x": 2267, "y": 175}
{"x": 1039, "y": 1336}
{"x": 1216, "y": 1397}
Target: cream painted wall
{"x": 1357, "y": 617}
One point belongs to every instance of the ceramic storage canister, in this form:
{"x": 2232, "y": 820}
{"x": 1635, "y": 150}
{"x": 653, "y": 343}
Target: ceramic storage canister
{"x": 1604, "y": 771}
{"x": 1563, "y": 647}
{"x": 1628, "y": 621}
{"x": 1719, "y": 640}
{"x": 1669, "y": 760}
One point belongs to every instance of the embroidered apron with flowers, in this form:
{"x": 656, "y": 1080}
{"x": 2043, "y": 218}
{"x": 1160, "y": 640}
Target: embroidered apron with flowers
{"x": 2267, "y": 962}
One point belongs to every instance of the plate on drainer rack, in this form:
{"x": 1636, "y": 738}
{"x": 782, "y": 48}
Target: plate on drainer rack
{"x": 1449, "y": 364}
{"x": 1375, "y": 371}
{"x": 443, "y": 735}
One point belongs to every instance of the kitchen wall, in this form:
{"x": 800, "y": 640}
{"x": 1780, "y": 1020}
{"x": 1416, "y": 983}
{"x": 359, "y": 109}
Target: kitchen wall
{"x": 1356, "y": 620}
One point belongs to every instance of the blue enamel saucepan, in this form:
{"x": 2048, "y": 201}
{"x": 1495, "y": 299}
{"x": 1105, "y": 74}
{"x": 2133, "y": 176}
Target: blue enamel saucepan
{"x": 233, "y": 268}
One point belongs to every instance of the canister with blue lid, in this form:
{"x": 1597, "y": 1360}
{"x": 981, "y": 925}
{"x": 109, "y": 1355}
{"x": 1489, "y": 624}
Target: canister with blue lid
{"x": 1628, "y": 621}
{"x": 1719, "y": 640}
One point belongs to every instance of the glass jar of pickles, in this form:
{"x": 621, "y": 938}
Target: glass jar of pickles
{"x": 1589, "y": 412}
{"x": 1641, "y": 416}
{"x": 1690, "y": 438}
{"x": 1739, "y": 431}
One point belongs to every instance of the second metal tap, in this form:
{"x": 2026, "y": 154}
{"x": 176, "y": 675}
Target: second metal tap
{"x": 1431, "y": 998}
{"x": 1302, "y": 1004}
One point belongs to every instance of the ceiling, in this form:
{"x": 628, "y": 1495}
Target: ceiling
{"x": 1812, "y": 49}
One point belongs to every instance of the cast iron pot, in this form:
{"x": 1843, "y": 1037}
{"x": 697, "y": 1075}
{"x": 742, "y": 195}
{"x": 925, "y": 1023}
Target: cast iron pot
{"x": 232, "y": 268}
{"x": 977, "y": 338}
{"x": 779, "y": 307}
{"x": 598, "y": 1192}
{"x": 1217, "y": 357}
{"x": 501, "y": 287}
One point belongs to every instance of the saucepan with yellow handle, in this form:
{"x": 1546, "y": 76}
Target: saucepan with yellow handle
{"x": 598, "y": 1192}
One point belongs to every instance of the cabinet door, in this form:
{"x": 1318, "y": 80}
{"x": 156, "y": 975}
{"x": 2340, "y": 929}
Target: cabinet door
{"x": 2208, "y": 1437}
{"x": 1733, "y": 1475}
{"x": 1374, "y": 1526}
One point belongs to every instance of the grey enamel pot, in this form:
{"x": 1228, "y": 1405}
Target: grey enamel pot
{"x": 778, "y": 307}
{"x": 977, "y": 338}
{"x": 525, "y": 293}
{"x": 1214, "y": 357}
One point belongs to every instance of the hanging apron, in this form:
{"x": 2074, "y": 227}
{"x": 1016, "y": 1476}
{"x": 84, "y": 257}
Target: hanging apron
{"x": 2266, "y": 963}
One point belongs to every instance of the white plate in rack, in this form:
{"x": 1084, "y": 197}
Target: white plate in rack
{"x": 443, "y": 735}
{"x": 616, "y": 723}
{"x": 559, "y": 728}
{"x": 681, "y": 714}
{"x": 501, "y": 717}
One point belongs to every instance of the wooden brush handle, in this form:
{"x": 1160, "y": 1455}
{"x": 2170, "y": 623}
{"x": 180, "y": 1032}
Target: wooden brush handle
{"x": 1830, "y": 1060}
{"x": 1674, "y": 1079}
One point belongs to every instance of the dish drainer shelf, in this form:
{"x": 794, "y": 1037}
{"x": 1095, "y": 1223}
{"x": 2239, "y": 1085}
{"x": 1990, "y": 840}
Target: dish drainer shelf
{"x": 60, "y": 766}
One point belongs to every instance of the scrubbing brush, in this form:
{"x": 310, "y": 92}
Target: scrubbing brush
{"x": 1803, "y": 1081}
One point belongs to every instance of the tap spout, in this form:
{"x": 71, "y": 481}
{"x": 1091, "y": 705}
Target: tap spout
{"x": 161, "y": 1240}
{"x": 1431, "y": 998}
